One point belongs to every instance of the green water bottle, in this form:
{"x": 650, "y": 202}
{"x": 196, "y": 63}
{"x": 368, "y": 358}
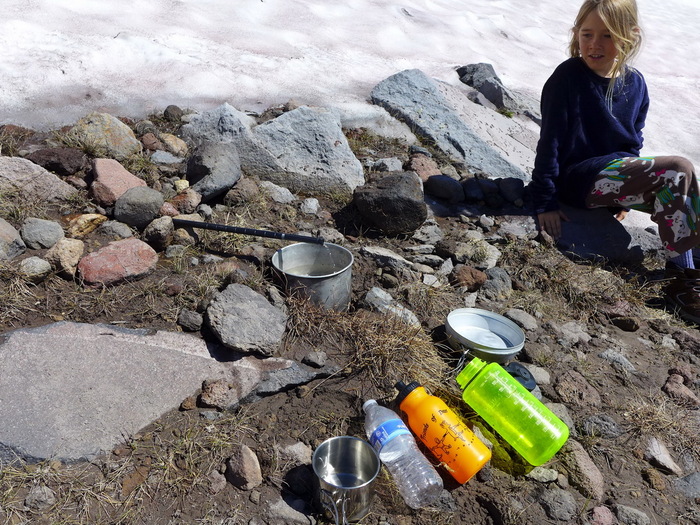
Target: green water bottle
{"x": 513, "y": 412}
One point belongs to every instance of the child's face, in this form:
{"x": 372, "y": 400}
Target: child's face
{"x": 596, "y": 44}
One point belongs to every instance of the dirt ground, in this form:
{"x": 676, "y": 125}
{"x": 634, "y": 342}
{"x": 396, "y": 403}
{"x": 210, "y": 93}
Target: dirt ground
{"x": 171, "y": 471}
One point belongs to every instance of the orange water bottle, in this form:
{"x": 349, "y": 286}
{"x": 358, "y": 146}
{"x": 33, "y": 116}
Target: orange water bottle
{"x": 442, "y": 431}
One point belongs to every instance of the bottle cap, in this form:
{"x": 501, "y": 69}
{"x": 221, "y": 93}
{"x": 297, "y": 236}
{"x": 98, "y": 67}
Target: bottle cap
{"x": 521, "y": 374}
{"x": 368, "y": 403}
{"x": 404, "y": 389}
{"x": 472, "y": 368}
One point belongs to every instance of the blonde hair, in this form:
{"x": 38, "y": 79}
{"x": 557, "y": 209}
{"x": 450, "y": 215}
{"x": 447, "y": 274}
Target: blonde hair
{"x": 622, "y": 20}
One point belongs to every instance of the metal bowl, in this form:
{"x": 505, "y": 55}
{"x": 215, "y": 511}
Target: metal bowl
{"x": 486, "y": 335}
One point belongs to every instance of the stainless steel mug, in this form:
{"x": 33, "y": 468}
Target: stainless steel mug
{"x": 345, "y": 469}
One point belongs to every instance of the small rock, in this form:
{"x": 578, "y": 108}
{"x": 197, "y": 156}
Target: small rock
{"x": 558, "y": 504}
{"x": 523, "y": 319}
{"x": 189, "y": 403}
{"x": 40, "y": 498}
{"x": 543, "y": 475}
{"x": 190, "y": 320}
{"x": 631, "y": 516}
{"x": 618, "y": 360}
{"x": 689, "y": 485}
{"x": 316, "y": 359}
{"x": 601, "y": 425}
{"x": 84, "y": 224}
{"x": 217, "y": 482}
{"x": 658, "y": 455}
{"x": 118, "y": 261}
{"x": 680, "y": 393}
{"x": 575, "y": 390}
{"x": 216, "y": 393}
{"x": 583, "y": 473}
{"x": 35, "y": 269}
{"x": 65, "y": 255}
{"x": 601, "y": 516}
{"x": 654, "y": 478}
{"x": 243, "y": 469}
{"x": 40, "y": 233}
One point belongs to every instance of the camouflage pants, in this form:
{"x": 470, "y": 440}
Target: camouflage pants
{"x": 665, "y": 187}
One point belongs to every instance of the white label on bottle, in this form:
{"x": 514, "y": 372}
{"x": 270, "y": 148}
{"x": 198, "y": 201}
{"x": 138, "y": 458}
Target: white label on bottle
{"x": 386, "y": 432}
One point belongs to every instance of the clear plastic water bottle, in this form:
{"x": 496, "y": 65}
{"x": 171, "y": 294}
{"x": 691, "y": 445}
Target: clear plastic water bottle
{"x": 416, "y": 478}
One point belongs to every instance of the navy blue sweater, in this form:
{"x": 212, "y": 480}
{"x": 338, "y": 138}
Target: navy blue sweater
{"x": 580, "y": 136}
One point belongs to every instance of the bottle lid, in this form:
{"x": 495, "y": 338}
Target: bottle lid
{"x": 471, "y": 369}
{"x": 404, "y": 389}
{"x": 368, "y": 403}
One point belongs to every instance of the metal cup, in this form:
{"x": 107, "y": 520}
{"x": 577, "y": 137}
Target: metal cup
{"x": 345, "y": 469}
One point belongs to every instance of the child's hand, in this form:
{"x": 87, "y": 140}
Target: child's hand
{"x": 550, "y": 221}
{"x": 620, "y": 215}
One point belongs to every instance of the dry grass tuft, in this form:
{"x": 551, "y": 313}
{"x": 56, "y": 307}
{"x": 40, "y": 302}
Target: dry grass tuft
{"x": 18, "y": 205}
{"x": 653, "y": 414}
{"x": 382, "y": 349}
{"x": 143, "y": 167}
{"x": 559, "y": 288}
{"x": 159, "y": 464}
{"x": 11, "y": 140}
{"x": 16, "y": 295}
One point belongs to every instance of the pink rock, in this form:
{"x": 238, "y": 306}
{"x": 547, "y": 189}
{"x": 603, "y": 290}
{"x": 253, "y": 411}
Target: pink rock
{"x": 680, "y": 393}
{"x": 112, "y": 180}
{"x": 602, "y": 516}
{"x": 119, "y": 260}
{"x": 169, "y": 210}
{"x": 583, "y": 473}
{"x": 187, "y": 201}
{"x": 424, "y": 166}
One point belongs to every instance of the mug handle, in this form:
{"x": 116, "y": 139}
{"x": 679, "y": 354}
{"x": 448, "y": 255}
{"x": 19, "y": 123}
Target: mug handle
{"x": 330, "y": 504}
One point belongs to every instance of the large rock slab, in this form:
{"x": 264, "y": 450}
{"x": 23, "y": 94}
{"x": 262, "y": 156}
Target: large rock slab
{"x": 312, "y": 151}
{"x": 70, "y": 391}
{"x": 303, "y": 150}
{"x": 414, "y": 98}
{"x": 26, "y": 179}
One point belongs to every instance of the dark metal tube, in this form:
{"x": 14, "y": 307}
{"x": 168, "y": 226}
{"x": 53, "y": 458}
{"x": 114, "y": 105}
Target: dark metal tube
{"x": 247, "y": 231}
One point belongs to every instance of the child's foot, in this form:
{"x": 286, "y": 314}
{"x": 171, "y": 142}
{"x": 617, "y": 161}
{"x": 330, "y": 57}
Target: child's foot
{"x": 683, "y": 296}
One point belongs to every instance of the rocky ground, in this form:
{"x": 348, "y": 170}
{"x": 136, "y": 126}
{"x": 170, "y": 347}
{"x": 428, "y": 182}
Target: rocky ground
{"x": 618, "y": 368}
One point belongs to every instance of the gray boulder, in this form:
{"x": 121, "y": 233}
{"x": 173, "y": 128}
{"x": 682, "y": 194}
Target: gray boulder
{"x": 213, "y": 169}
{"x": 138, "y": 206}
{"x": 483, "y": 78}
{"x": 394, "y": 203}
{"x": 245, "y": 321}
{"x": 119, "y": 380}
{"x": 303, "y": 150}
{"x": 40, "y": 233}
{"x": 312, "y": 152}
{"x": 414, "y": 98}
{"x": 228, "y": 125}
{"x": 11, "y": 243}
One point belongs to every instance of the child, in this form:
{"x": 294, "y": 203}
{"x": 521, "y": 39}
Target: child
{"x": 593, "y": 111}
